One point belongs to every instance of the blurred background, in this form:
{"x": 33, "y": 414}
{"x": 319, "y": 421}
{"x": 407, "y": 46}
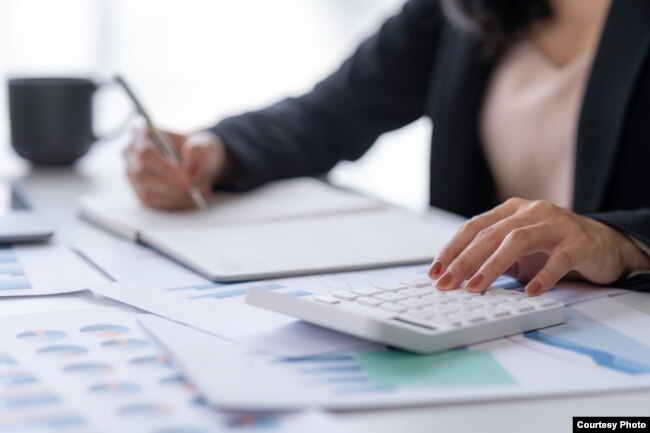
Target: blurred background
{"x": 194, "y": 61}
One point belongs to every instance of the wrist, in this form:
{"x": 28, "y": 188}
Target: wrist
{"x": 228, "y": 167}
{"x": 633, "y": 256}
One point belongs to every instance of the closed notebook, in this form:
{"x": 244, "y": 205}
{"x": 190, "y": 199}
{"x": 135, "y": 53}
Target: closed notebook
{"x": 291, "y": 227}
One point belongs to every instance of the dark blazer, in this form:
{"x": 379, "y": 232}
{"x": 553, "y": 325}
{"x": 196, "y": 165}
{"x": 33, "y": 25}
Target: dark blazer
{"x": 420, "y": 65}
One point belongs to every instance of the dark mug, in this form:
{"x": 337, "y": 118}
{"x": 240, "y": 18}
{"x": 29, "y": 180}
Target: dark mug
{"x": 51, "y": 118}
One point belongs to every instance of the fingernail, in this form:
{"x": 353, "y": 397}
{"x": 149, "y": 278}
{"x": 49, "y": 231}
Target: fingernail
{"x": 435, "y": 269}
{"x": 534, "y": 288}
{"x": 474, "y": 281}
{"x": 444, "y": 280}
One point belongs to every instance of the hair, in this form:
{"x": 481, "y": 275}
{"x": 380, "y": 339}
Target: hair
{"x": 496, "y": 23}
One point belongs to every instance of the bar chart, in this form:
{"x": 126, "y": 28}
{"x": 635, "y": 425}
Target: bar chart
{"x": 12, "y": 275}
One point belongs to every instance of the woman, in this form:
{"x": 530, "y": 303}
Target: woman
{"x": 541, "y": 99}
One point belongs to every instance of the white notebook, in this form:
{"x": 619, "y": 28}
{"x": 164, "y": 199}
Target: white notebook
{"x": 287, "y": 228}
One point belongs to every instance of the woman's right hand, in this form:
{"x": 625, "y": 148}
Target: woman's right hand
{"x": 160, "y": 184}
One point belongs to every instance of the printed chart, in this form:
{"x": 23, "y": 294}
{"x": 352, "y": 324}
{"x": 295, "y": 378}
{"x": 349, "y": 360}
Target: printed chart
{"x": 198, "y": 304}
{"x": 101, "y": 363}
{"x": 565, "y": 359}
{"x": 27, "y": 405}
{"x": 43, "y": 269}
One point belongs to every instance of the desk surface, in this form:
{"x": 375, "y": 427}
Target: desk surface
{"x": 54, "y": 193}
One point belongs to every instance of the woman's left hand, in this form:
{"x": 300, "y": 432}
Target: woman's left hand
{"x": 534, "y": 241}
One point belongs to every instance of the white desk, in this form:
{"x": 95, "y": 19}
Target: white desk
{"x": 54, "y": 193}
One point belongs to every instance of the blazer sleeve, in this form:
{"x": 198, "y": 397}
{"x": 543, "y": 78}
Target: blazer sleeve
{"x": 635, "y": 223}
{"x": 381, "y": 87}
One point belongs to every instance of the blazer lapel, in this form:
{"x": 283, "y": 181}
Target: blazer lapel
{"x": 618, "y": 61}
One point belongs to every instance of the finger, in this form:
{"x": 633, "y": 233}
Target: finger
{"x": 156, "y": 181}
{"x": 142, "y": 173}
{"x": 464, "y": 236}
{"x": 517, "y": 244}
{"x": 480, "y": 248}
{"x": 156, "y": 195}
{"x": 143, "y": 148}
{"x": 558, "y": 265}
{"x": 193, "y": 153}
{"x": 143, "y": 155}
{"x": 176, "y": 139}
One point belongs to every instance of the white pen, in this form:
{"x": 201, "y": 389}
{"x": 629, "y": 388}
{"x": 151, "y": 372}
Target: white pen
{"x": 162, "y": 140}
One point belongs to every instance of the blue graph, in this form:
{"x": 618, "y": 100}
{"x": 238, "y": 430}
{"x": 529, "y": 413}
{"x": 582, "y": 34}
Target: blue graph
{"x": 17, "y": 379}
{"x": 55, "y": 422}
{"x": 12, "y": 276}
{"x": 340, "y": 373}
{"x": 227, "y": 291}
{"x": 29, "y": 400}
{"x": 6, "y": 359}
{"x": 606, "y": 346}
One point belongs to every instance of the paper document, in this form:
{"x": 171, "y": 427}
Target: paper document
{"x": 601, "y": 348}
{"x": 127, "y": 262}
{"x": 121, "y": 212}
{"x": 567, "y": 292}
{"x": 43, "y": 269}
{"x": 102, "y": 364}
{"x": 29, "y": 406}
{"x": 220, "y": 309}
{"x": 304, "y": 246}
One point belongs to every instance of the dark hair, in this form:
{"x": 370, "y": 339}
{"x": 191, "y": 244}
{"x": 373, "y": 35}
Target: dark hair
{"x": 496, "y": 23}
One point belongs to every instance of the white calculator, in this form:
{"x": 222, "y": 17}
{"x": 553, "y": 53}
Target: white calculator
{"x": 413, "y": 315}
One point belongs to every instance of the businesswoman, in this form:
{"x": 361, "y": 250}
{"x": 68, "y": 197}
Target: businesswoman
{"x": 545, "y": 100}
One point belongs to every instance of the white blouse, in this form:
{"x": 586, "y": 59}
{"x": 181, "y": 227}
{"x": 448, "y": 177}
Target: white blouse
{"x": 529, "y": 123}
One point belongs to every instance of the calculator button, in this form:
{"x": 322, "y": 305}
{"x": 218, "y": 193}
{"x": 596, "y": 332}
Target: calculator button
{"x": 396, "y": 308}
{"x": 391, "y": 287}
{"x": 449, "y": 310}
{"x": 415, "y": 303}
{"x": 326, "y": 299}
{"x": 366, "y": 291}
{"x": 513, "y": 294}
{"x": 390, "y": 297}
{"x": 346, "y": 296}
{"x": 418, "y": 283}
{"x": 420, "y": 314}
{"x": 370, "y": 302}
{"x": 415, "y": 292}
{"x": 449, "y": 298}
{"x": 541, "y": 302}
{"x": 522, "y": 308}
{"x": 497, "y": 313}
{"x": 472, "y": 318}
{"x": 493, "y": 301}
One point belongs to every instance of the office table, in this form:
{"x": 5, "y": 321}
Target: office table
{"x": 54, "y": 193}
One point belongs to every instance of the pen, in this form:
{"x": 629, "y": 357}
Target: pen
{"x": 162, "y": 141}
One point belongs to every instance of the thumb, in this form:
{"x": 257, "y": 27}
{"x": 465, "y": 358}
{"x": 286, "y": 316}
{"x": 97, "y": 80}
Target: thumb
{"x": 192, "y": 155}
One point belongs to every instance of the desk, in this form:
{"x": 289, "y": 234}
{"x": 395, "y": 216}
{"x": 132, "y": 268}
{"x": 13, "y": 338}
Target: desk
{"x": 54, "y": 193}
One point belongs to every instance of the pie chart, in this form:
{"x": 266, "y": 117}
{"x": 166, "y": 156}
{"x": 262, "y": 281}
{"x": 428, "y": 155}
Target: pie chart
{"x": 126, "y": 344}
{"x": 63, "y": 351}
{"x": 153, "y": 362}
{"x": 41, "y": 335}
{"x": 104, "y": 330}
{"x": 115, "y": 388}
{"x": 89, "y": 369}
{"x": 145, "y": 409}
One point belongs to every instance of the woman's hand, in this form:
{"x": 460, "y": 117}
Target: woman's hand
{"x": 534, "y": 241}
{"x": 159, "y": 183}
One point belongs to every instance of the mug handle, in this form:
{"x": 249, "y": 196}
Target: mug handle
{"x": 119, "y": 130}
